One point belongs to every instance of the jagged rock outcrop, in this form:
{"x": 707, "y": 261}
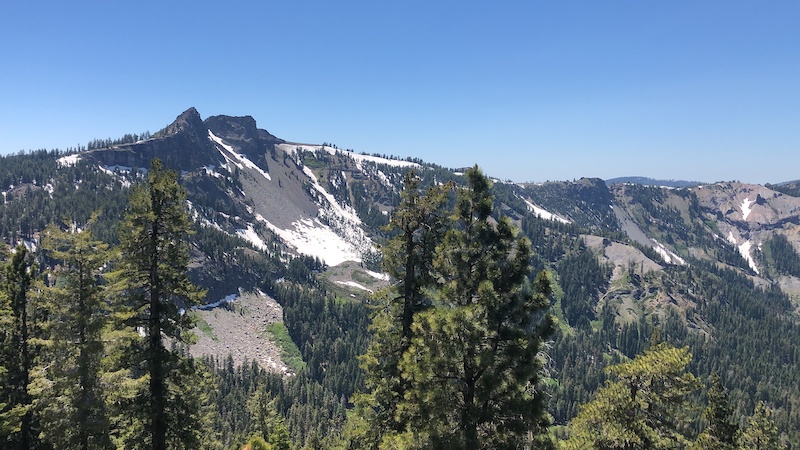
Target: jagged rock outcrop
{"x": 241, "y": 132}
{"x": 182, "y": 144}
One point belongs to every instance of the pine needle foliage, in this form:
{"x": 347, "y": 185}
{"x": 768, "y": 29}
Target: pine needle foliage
{"x": 722, "y": 430}
{"x": 71, "y": 397}
{"x": 645, "y": 407}
{"x": 455, "y": 361}
{"x": 153, "y": 283}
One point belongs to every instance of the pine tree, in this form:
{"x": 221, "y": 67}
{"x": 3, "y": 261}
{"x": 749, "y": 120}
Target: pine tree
{"x": 418, "y": 225}
{"x": 761, "y": 432}
{"x": 644, "y": 408}
{"x": 153, "y": 279}
{"x": 72, "y": 397}
{"x": 473, "y": 368}
{"x": 265, "y": 420}
{"x": 17, "y": 411}
{"x": 257, "y": 443}
{"x": 11, "y": 412}
{"x": 722, "y": 431}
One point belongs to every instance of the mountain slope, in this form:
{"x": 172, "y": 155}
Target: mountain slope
{"x": 703, "y": 264}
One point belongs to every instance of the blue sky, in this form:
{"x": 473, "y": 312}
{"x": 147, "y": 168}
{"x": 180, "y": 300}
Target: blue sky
{"x": 529, "y": 90}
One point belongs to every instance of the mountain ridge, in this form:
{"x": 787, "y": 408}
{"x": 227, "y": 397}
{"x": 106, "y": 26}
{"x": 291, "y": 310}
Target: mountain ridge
{"x": 623, "y": 258}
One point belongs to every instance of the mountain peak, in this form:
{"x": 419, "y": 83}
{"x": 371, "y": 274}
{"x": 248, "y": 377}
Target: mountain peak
{"x": 187, "y": 121}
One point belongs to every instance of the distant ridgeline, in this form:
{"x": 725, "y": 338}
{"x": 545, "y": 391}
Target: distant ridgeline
{"x": 653, "y": 182}
{"x": 789, "y": 188}
{"x": 631, "y": 261}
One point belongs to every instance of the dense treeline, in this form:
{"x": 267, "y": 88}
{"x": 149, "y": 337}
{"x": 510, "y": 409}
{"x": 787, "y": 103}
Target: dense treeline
{"x": 789, "y": 188}
{"x": 781, "y": 255}
{"x": 125, "y": 139}
{"x": 582, "y": 279}
{"x": 37, "y": 193}
{"x": 87, "y": 363}
{"x": 745, "y": 334}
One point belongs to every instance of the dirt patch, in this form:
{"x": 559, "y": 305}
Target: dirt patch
{"x": 353, "y": 277}
{"x": 238, "y": 328}
{"x": 622, "y": 255}
{"x": 791, "y": 286}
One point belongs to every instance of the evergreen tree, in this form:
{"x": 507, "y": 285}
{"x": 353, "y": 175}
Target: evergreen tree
{"x": 722, "y": 431}
{"x": 72, "y": 399}
{"x": 473, "y": 369}
{"x": 418, "y": 224}
{"x": 761, "y": 432}
{"x": 644, "y": 408}
{"x": 265, "y": 420}
{"x": 11, "y": 411}
{"x": 257, "y": 443}
{"x": 153, "y": 280}
{"x": 17, "y": 411}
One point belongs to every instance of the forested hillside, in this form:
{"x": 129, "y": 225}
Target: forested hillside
{"x": 436, "y": 278}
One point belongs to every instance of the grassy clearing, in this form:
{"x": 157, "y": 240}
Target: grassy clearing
{"x": 363, "y": 278}
{"x": 290, "y": 354}
{"x": 555, "y": 309}
{"x": 204, "y": 327}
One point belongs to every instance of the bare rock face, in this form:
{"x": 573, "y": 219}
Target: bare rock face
{"x": 749, "y": 215}
{"x": 755, "y": 205}
{"x": 188, "y": 122}
{"x": 241, "y": 132}
{"x": 182, "y": 144}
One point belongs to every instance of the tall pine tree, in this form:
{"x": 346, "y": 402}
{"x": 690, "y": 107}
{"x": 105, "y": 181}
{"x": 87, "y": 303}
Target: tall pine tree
{"x": 761, "y": 432}
{"x": 16, "y": 401}
{"x": 473, "y": 367}
{"x": 644, "y": 408}
{"x": 153, "y": 279}
{"x": 72, "y": 398}
{"x": 418, "y": 225}
{"x": 722, "y": 430}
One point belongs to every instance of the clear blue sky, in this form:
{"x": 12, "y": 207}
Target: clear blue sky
{"x": 529, "y": 90}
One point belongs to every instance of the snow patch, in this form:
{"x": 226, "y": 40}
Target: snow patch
{"x": 358, "y": 158}
{"x": 69, "y": 160}
{"x": 30, "y": 245}
{"x": 313, "y": 238}
{"x": 211, "y": 171}
{"x": 346, "y": 212}
{"x": 197, "y": 217}
{"x": 377, "y": 275}
{"x": 334, "y": 236}
{"x": 241, "y": 160}
{"x": 746, "y": 207}
{"x": 744, "y": 250}
{"x": 355, "y": 285}
{"x": 118, "y": 171}
{"x": 250, "y": 235}
{"x": 379, "y": 160}
{"x": 542, "y": 213}
{"x": 230, "y": 298}
{"x": 669, "y": 256}
{"x": 384, "y": 179}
